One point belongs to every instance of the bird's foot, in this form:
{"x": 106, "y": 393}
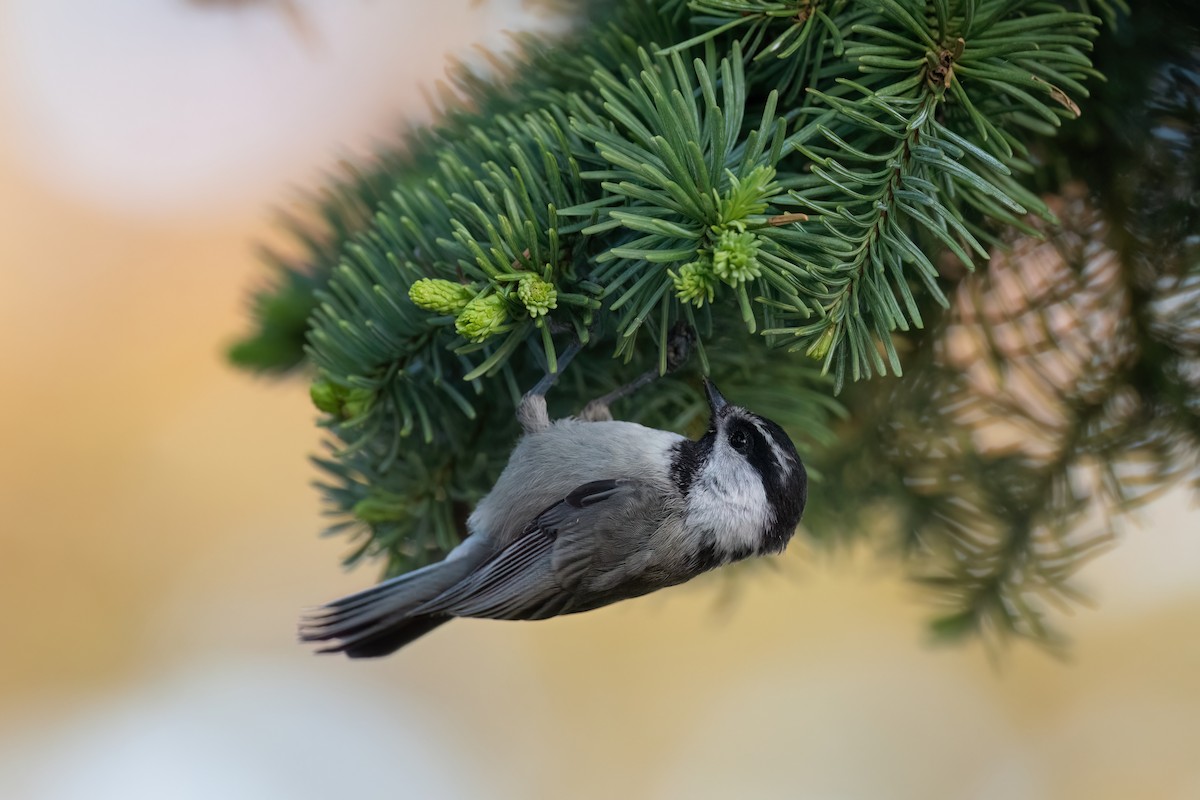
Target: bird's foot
{"x": 679, "y": 347}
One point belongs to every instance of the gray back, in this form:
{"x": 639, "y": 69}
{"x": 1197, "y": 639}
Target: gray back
{"x": 548, "y": 465}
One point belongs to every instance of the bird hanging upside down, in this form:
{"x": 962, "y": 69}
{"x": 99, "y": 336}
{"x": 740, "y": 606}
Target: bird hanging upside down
{"x": 587, "y": 512}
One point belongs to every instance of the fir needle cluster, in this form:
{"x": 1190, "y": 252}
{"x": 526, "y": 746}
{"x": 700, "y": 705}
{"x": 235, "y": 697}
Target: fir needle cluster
{"x": 778, "y": 175}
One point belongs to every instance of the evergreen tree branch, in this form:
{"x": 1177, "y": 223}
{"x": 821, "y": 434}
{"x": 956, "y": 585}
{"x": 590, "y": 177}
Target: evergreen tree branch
{"x": 907, "y": 152}
{"x": 814, "y": 175}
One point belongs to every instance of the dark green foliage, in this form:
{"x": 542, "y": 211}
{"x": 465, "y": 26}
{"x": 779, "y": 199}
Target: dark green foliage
{"x": 283, "y": 309}
{"x": 1040, "y": 411}
{"x": 803, "y": 182}
{"x": 925, "y": 142}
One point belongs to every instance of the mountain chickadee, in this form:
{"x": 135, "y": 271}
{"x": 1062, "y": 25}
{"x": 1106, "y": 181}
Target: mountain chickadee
{"x": 587, "y": 512}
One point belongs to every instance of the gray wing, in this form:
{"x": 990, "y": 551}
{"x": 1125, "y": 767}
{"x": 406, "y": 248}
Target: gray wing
{"x": 541, "y": 573}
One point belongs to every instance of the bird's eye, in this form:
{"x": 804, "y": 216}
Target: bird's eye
{"x": 739, "y": 441}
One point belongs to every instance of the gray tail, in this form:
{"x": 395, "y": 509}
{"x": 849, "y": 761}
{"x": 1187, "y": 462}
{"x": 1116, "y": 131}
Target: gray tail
{"x": 379, "y": 620}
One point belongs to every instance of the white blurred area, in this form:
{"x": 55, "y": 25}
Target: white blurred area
{"x": 158, "y": 534}
{"x": 211, "y": 107}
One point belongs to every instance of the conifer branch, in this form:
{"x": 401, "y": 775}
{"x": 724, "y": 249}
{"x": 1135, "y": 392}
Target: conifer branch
{"x": 802, "y": 181}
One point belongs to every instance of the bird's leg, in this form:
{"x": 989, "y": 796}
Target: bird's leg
{"x": 679, "y": 347}
{"x": 531, "y": 413}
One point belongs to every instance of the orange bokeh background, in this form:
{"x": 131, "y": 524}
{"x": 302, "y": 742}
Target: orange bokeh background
{"x": 158, "y": 533}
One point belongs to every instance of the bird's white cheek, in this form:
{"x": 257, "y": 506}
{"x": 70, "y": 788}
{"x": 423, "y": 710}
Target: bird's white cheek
{"x": 729, "y": 502}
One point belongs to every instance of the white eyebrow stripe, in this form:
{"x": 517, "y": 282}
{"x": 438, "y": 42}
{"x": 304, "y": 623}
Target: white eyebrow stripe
{"x": 782, "y": 458}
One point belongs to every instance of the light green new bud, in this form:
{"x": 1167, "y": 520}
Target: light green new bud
{"x": 746, "y": 197}
{"x": 695, "y": 282}
{"x": 539, "y": 296}
{"x": 735, "y": 258}
{"x": 382, "y": 507}
{"x": 357, "y": 403}
{"x": 820, "y": 348}
{"x": 440, "y": 296}
{"x": 482, "y": 317}
{"x": 339, "y": 400}
{"x": 326, "y": 396}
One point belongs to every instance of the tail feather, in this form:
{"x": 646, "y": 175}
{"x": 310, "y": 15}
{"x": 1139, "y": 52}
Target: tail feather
{"x": 380, "y": 620}
{"x": 393, "y": 639}
{"x": 366, "y": 596}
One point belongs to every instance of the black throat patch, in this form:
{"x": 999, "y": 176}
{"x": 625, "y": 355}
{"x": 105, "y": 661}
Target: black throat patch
{"x": 688, "y": 458}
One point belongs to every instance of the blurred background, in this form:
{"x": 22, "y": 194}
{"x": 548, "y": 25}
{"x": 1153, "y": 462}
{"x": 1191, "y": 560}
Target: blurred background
{"x": 158, "y": 535}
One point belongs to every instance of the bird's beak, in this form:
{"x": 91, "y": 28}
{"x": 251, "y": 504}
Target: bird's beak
{"x": 715, "y": 401}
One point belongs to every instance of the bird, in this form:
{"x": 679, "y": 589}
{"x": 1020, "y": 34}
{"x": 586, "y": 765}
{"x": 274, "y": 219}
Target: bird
{"x": 587, "y": 512}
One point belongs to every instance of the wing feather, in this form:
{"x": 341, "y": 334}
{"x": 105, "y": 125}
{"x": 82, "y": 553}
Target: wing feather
{"x": 534, "y": 576}
{"x": 511, "y": 572}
